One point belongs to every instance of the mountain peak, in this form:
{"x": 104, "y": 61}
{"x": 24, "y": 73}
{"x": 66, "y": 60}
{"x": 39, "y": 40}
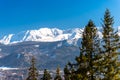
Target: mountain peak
{"x": 42, "y": 35}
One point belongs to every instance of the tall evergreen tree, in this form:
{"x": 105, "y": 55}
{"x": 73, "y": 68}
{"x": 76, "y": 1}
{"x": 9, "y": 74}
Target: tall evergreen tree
{"x": 86, "y": 67}
{"x": 89, "y": 54}
{"x": 33, "y": 73}
{"x": 46, "y": 75}
{"x": 58, "y": 76}
{"x": 110, "y": 66}
{"x": 67, "y": 73}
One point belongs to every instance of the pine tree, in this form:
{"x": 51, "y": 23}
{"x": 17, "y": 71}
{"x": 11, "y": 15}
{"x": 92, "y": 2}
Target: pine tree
{"x": 86, "y": 67}
{"x": 110, "y": 66}
{"x": 67, "y": 73}
{"x": 89, "y": 53}
{"x": 32, "y": 74}
{"x": 58, "y": 77}
{"x": 46, "y": 75}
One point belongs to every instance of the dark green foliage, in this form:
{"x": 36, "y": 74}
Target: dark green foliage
{"x": 110, "y": 66}
{"x": 67, "y": 73}
{"x": 97, "y": 60}
{"x": 32, "y": 74}
{"x": 87, "y": 62}
{"x": 46, "y": 75}
{"x": 58, "y": 76}
{"x": 89, "y": 54}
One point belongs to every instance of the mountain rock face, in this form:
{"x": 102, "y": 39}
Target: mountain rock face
{"x": 48, "y": 54}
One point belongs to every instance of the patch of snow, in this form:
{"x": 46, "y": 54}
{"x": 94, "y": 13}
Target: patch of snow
{"x": 119, "y": 30}
{"x": 26, "y": 34}
{"x": 18, "y": 56}
{"x": 36, "y": 46}
{"x": 6, "y": 39}
{"x": 100, "y": 34}
{"x": 59, "y": 45}
{"x": 8, "y": 68}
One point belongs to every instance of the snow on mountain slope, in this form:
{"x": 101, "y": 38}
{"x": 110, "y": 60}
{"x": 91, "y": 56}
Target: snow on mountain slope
{"x": 119, "y": 30}
{"x": 43, "y": 35}
{"x": 6, "y": 39}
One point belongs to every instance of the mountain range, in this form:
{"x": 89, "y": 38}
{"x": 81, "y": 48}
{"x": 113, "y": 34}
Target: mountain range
{"x": 51, "y": 47}
{"x": 42, "y": 35}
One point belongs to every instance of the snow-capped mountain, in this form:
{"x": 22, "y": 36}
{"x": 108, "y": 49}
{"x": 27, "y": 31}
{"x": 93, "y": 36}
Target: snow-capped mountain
{"x": 51, "y": 47}
{"x": 43, "y": 35}
{"x": 47, "y": 35}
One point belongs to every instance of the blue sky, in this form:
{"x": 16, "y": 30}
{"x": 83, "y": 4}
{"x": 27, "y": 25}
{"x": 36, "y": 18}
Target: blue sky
{"x": 21, "y": 15}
